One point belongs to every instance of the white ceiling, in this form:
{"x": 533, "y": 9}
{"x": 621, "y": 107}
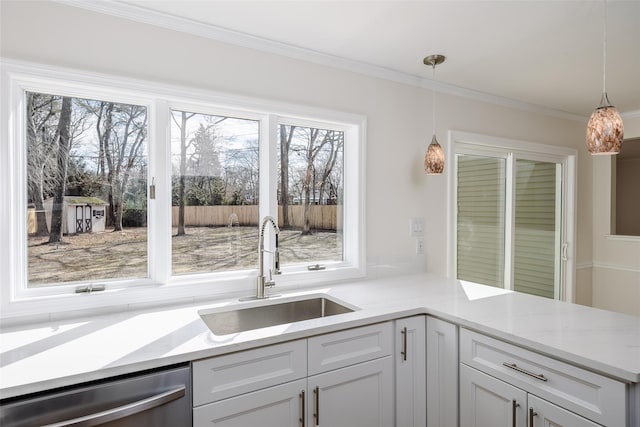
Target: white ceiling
{"x": 545, "y": 53}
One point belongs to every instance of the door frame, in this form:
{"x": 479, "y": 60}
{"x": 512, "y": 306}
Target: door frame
{"x": 530, "y": 150}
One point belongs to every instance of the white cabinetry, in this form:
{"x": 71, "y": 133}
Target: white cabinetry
{"x": 277, "y": 406}
{"x": 359, "y": 395}
{"x": 505, "y": 385}
{"x": 489, "y": 402}
{"x": 238, "y": 389}
{"x": 351, "y": 378}
{"x": 542, "y": 413}
{"x": 442, "y": 373}
{"x": 339, "y": 379}
{"x": 410, "y": 369}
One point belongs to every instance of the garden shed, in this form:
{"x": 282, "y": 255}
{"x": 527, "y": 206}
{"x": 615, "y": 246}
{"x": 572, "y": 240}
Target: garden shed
{"x": 80, "y": 214}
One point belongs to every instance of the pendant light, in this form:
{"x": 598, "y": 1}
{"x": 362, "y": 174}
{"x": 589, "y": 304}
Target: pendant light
{"x": 605, "y": 130}
{"x": 434, "y": 158}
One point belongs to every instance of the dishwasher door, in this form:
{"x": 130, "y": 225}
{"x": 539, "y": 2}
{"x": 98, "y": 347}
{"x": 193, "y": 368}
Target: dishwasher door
{"x": 155, "y": 399}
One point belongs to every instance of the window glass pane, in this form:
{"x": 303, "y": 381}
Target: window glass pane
{"x": 86, "y": 190}
{"x": 480, "y": 222}
{"x": 310, "y": 194}
{"x": 214, "y": 192}
{"x": 536, "y": 232}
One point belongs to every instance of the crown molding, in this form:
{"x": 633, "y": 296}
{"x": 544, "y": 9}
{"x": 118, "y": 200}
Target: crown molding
{"x": 160, "y": 19}
{"x": 631, "y": 114}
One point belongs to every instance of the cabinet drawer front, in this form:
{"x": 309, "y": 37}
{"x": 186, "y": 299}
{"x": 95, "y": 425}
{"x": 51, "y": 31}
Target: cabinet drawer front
{"x": 344, "y": 348}
{"x": 279, "y": 406}
{"x": 233, "y": 374}
{"x": 594, "y": 396}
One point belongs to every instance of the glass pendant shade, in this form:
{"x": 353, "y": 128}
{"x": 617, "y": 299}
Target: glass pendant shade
{"x": 605, "y": 130}
{"x": 434, "y": 159}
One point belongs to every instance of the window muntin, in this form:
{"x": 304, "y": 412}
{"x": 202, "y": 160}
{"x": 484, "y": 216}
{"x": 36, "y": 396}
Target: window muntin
{"x": 310, "y": 194}
{"x": 86, "y": 190}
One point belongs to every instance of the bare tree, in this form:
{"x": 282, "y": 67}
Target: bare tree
{"x": 184, "y": 145}
{"x": 64, "y": 145}
{"x": 121, "y": 131}
{"x": 40, "y": 112}
{"x": 286, "y": 135}
{"x": 335, "y": 142}
{"x": 315, "y": 140}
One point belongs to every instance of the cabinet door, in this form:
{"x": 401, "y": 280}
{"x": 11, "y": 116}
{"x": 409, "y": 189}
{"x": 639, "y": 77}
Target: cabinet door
{"x": 488, "y": 402}
{"x": 410, "y": 365}
{"x": 278, "y": 406}
{"x": 442, "y": 373}
{"x": 544, "y": 414}
{"x": 357, "y": 396}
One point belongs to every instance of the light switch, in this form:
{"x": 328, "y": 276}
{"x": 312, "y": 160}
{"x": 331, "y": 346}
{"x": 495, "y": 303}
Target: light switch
{"x": 416, "y": 227}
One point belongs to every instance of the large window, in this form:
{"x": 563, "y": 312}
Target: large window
{"x": 513, "y": 206}
{"x": 86, "y": 174}
{"x": 126, "y": 188}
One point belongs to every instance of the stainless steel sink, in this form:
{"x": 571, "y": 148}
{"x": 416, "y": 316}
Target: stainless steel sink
{"x": 229, "y": 321}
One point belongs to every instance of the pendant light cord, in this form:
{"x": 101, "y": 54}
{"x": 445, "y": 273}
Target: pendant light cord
{"x": 604, "y": 54}
{"x": 434, "y": 99}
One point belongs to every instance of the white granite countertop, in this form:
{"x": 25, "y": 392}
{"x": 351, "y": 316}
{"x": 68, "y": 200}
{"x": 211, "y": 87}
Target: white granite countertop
{"x": 43, "y": 356}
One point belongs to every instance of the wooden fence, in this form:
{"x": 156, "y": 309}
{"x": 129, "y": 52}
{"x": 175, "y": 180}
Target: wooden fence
{"x": 321, "y": 217}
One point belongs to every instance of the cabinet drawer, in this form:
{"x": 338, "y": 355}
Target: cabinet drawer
{"x": 279, "y": 406}
{"x": 233, "y": 374}
{"x": 344, "y": 348}
{"x": 594, "y": 396}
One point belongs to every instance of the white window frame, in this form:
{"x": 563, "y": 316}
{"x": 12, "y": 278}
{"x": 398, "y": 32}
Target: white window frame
{"x": 485, "y": 145}
{"x": 161, "y": 287}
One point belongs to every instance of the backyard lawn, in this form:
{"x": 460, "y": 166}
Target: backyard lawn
{"x": 122, "y": 254}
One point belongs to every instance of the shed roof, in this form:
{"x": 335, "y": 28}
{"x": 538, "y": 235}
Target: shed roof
{"x": 84, "y": 200}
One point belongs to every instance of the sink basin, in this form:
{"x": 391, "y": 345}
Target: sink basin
{"x": 229, "y": 321}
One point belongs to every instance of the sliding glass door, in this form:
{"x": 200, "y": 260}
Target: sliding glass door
{"x": 508, "y": 223}
{"x": 537, "y": 231}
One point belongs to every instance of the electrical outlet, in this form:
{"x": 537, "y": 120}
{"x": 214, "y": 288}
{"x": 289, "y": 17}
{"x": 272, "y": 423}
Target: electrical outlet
{"x": 419, "y": 247}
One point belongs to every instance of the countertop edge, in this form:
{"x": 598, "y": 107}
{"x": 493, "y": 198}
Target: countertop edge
{"x": 374, "y": 314}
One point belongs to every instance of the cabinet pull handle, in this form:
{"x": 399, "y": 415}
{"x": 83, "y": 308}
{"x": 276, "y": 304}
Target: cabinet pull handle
{"x": 316, "y": 414}
{"x": 404, "y": 343}
{"x": 532, "y": 414}
{"x": 302, "y": 409}
{"x": 524, "y": 371}
{"x": 514, "y": 406}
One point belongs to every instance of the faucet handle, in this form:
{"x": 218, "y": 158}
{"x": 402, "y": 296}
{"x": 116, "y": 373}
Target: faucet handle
{"x": 270, "y": 283}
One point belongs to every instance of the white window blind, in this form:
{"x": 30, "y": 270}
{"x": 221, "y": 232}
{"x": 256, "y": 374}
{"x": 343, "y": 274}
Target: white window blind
{"x": 481, "y": 219}
{"x": 535, "y": 228}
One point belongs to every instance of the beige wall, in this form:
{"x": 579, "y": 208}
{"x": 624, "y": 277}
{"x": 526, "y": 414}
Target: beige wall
{"x": 399, "y": 117}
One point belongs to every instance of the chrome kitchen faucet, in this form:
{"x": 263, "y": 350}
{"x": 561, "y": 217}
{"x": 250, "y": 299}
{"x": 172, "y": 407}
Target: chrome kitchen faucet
{"x": 261, "y": 281}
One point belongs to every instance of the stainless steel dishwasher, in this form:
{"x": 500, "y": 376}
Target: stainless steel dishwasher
{"x": 154, "y": 399}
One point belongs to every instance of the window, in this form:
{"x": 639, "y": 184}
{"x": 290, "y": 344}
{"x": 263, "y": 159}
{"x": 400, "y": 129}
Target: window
{"x": 513, "y": 209}
{"x": 310, "y": 194}
{"x": 86, "y": 177}
{"x": 215, "y": 192}
{"x": 155, "y": 192}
